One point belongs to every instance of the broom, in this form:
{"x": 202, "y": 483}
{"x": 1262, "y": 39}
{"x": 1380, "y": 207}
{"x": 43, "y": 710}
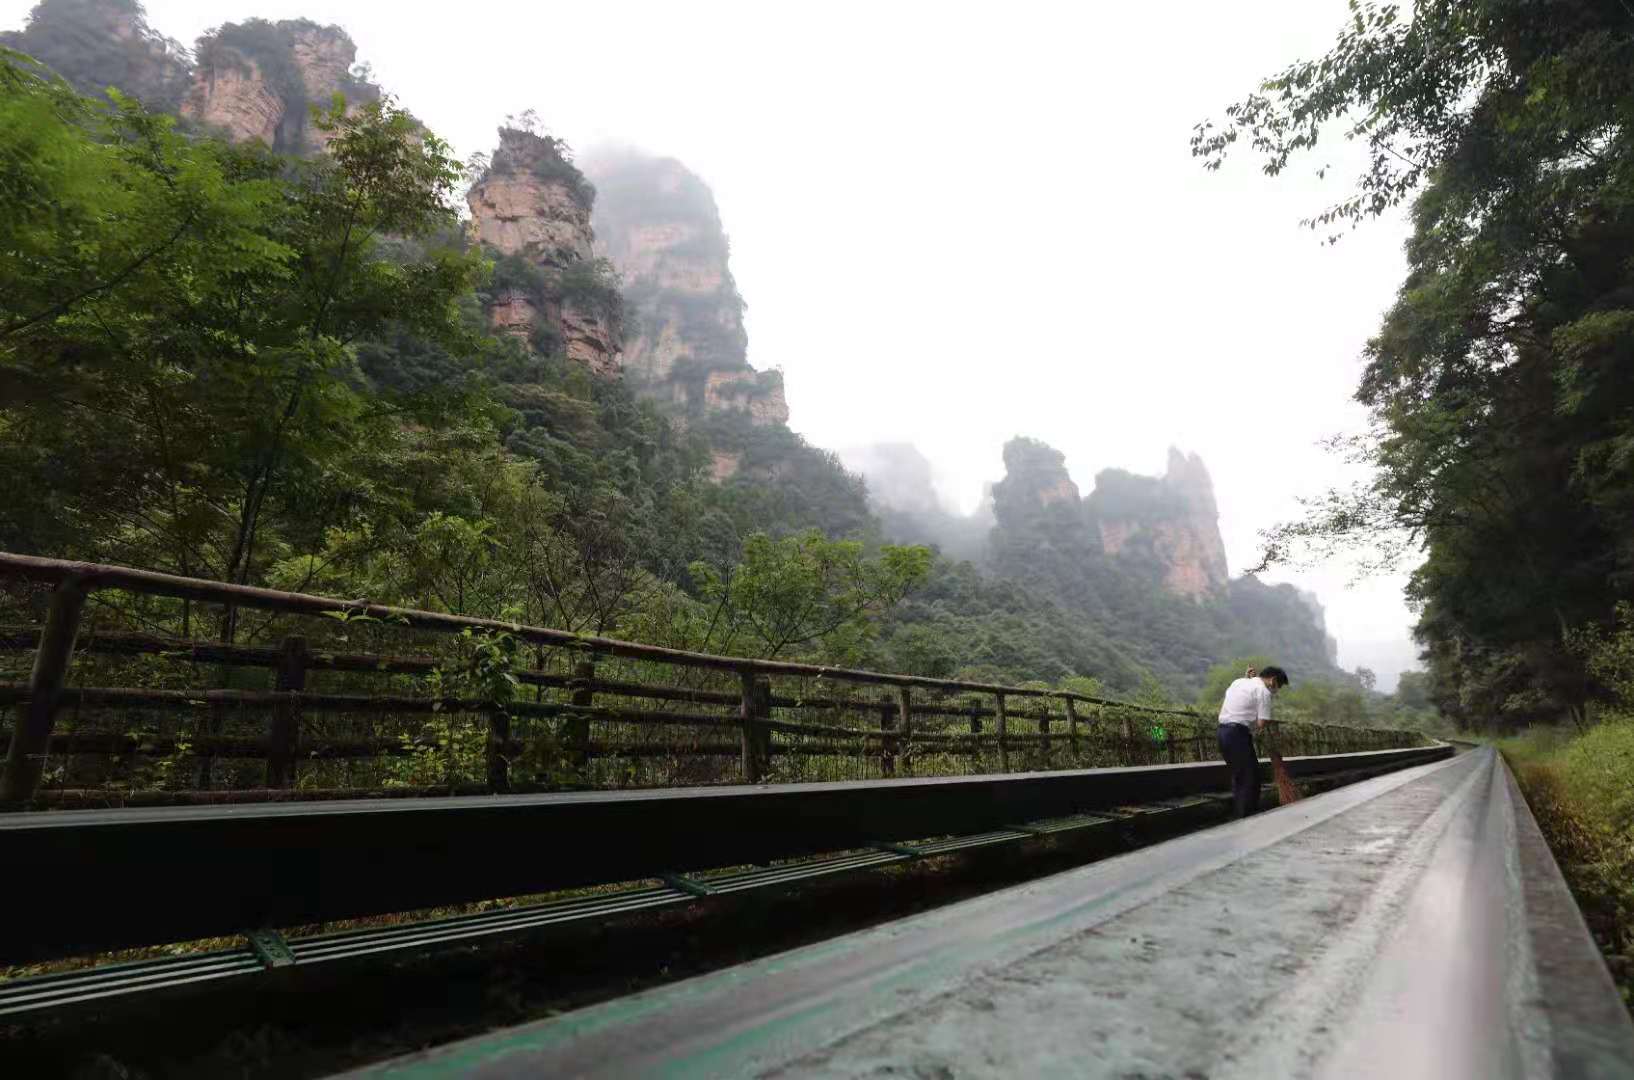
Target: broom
{"x": 1287, "y": 792}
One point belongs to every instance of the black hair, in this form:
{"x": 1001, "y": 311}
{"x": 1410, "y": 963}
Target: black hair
{"x": 1271, "y": 671}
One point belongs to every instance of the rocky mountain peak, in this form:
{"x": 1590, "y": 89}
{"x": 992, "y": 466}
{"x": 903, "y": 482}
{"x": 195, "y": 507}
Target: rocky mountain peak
{"x": 1037, "y": 494}
{"x": 1171, "y": 521}
{"x": 531, "y": 206}
{"x": 658, "y": 223}
{"x": 1188, "y": 478}
{"x": 257, "y": 80}
{"x": 531, "y": 201}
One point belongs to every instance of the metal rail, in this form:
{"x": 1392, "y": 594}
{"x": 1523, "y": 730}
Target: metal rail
{"x": 108, "y": 987}
{"x": 200, "y": 871}
{"x": 1409, "y": 926}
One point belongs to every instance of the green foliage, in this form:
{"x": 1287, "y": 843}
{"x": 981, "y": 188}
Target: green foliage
{"x": 970, "y": 625}
{"x": 1578, "y": 788}
{"x": 514, "y": 274}
{"x": 805, "y": 589}
{"x": 1608, "y": 656}
{"x": 179, "y": 335}
{"x": 1221, "y": 676}
{"x": 593, "y": 285}
{"x": 1503, "y": 420}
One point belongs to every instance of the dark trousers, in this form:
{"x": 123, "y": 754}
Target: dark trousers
{"x": 1237, "y": 747}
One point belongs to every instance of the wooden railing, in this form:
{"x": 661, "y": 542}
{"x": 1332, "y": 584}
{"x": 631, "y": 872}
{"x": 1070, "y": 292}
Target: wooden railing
{"x": 108, "y": 712}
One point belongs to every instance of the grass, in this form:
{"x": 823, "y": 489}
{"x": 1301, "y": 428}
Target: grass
{"x": 1581, "y": 790}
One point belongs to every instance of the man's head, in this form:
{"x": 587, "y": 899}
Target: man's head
{"x": 1273, "y": 677}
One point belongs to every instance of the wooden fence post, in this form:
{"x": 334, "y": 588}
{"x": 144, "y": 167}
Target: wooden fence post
{"x": 1128, "y": 740}
{"x": 499, "y": 736}
{"x": 887, "y": 742}
{"x": 1072, "y": 729}
{"x": 577, "y": 728}
{"x": 904, "y": 723}
{"x": 283, "y": 730}
{"x": 752, "y": 709}
{"x": 210, "y": 725}
{"x": 1044, "y": 730}
{"x": 31, "y": 739}
{"x": 1001, "y": 727}
{"x": 763, "y": 711}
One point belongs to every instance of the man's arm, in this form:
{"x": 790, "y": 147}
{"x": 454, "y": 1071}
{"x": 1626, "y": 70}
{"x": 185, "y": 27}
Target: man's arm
{"x": 1263, "y": 700}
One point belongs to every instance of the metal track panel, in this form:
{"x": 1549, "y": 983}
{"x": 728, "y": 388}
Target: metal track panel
{"x": 109, "y": 984}
{"x": 1409, "y": 926}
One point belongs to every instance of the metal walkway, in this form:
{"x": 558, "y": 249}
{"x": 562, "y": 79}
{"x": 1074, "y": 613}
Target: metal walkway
{"x": 1412, "y": 925}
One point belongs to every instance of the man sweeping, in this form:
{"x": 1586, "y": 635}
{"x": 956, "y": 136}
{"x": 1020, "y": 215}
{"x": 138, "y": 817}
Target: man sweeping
{"x": 1245, "y": 710}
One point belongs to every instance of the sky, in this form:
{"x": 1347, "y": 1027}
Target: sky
{"x": 955, "y": 222}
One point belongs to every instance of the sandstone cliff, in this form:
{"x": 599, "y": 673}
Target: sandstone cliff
{"x": 659, "y": 225}
{"x": 1142, "y": 559}
{"x": 1170, "y": 522}
{"x": 258, "y": 79}
{"x": 1164, "y": 528}
{"x": 531, "y": 209}
{"x": 1038, "y": 497}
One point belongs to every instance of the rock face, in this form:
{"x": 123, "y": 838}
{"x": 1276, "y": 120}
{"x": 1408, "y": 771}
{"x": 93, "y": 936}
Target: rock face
{"x": 591, "y": 338}
{"x": 1171, "y": 521}
{"x": 232, "y": 96}
{"x": 659, "y": 225}
{"x": 1313, "y": 604}
{"x": 756, "y": 393}
{"x": 256, "y": 80}
{"x": 1037, "y": 496}
{"x": 95, "y": 44}
{"x": 531, "y": 207}
{"x": 1159, "y": 527}
{"x": 1141, "y": 560}
{"x": 515, "y": 210}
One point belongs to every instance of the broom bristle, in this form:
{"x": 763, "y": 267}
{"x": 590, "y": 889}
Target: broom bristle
{"x": 1286, "y": 791}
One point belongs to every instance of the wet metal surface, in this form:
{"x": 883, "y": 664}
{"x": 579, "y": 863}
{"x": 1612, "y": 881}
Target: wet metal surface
{"x": 1407, "y": 926}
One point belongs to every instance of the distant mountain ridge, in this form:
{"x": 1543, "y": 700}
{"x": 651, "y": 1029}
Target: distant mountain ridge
{"x": 1140, "y": 560}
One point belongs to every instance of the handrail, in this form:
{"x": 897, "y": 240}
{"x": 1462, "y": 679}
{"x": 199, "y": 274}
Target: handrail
{"x": 57, "y": 640}
{"x": 95, "y": 576}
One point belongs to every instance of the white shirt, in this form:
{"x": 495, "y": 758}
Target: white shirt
{"x": 1246, "y": 701}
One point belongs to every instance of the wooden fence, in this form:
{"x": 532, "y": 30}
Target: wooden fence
{"x": 368, "y": 698}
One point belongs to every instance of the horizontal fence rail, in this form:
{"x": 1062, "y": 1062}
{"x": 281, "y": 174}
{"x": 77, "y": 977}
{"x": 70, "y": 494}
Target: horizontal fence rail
{"x": 328, "y": 696}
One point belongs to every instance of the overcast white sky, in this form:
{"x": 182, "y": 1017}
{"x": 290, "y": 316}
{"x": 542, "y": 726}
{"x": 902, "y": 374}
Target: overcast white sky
{"x": 957, "y": 222}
